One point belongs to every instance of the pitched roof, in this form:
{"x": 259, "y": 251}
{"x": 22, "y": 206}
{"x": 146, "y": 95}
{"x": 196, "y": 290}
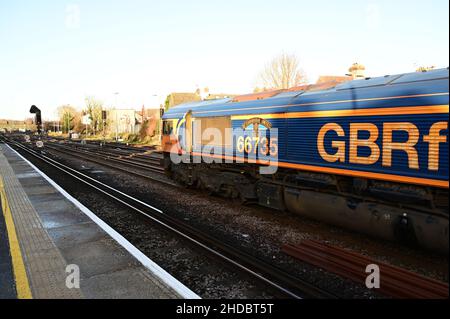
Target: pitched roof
{"x": 333, "y": 78}
{"x": 180, "y": 98}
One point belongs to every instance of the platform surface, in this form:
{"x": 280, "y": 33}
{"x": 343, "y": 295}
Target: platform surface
{"x": 53, "y": 233}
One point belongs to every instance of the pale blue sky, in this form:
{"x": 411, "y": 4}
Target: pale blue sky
{"x": 57, "y": 52}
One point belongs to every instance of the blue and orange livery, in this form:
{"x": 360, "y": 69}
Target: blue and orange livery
{"x": 392, "y": 128}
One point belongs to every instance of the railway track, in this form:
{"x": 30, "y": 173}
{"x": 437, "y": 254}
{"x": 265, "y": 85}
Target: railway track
{"x": 143, "y": 164}
{"x": 138, "y": 156}
{"x": 285, "y": 283}
{"x": 140, "y": 168}
{"x": 112, "y": 150}
{"x": 114, "y": 145}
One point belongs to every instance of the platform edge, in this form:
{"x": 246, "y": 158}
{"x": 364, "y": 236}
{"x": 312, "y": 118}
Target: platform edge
{"x": 154, "y": 268}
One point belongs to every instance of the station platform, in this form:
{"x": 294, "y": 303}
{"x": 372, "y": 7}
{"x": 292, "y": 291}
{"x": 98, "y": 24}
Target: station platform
{"x": 48, "y": 240}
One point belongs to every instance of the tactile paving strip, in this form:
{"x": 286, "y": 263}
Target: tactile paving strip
{"x": 46, "y": 268}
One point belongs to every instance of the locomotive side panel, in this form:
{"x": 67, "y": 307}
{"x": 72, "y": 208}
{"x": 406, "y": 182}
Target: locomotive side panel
{"x": 402, "y": 148}
{"x": 407, "y": 148}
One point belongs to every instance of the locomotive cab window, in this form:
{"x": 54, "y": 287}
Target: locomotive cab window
{"x": 167, "y": 127}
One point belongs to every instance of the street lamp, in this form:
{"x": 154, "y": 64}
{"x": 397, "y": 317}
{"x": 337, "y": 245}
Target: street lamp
{"x": 117, "y": 128}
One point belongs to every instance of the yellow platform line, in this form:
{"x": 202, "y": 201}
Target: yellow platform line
{"x": 20, "y": 275}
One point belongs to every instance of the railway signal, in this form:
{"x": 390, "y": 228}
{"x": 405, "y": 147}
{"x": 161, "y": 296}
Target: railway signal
{"x": 37, "y": 111}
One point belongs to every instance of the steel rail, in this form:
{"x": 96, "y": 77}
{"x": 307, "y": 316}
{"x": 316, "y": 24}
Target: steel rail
{"x": 104, "y": 161}
{"x": 259, "y": 269}
{"x": 114, "y": 157}
{"x": 121, "y": 167}
{"x": 142, "y": 157}
{"x": 106, "y": 144}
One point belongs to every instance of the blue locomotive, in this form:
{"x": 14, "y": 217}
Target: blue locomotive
{"x": 369, "y": 155}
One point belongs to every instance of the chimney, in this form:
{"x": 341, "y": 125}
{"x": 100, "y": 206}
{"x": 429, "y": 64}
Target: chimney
{"x": 356, "y": 71}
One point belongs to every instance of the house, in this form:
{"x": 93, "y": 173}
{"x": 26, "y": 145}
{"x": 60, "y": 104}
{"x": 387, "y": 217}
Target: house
{"x": 180, "y": 98}
{"x": 357, "y": 71}
{"x": 199, "y": 95}
{"x": 332, "y": 78}
{"x": 16, "y": 125}
{"x": 121, "y": 121}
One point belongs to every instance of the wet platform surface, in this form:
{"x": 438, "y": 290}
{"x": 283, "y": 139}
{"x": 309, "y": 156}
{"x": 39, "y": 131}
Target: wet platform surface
{"x": 52, "y": 234}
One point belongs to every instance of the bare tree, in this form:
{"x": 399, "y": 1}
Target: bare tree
{"x": 282, "y": 72}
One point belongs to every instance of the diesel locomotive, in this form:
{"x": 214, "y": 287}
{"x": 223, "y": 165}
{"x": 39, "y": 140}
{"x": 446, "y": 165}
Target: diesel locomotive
{"x": 370, "y": 155}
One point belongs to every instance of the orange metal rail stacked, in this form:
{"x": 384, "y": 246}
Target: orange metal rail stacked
{"x": 395, "y": 281}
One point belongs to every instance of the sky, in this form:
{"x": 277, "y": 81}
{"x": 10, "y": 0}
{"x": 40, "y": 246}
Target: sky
{"x": 58, "y": 52}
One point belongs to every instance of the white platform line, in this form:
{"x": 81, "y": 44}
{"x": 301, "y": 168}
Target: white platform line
{"x": 154, "y": 268}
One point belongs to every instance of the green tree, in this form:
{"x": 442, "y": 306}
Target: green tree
{"x": 143, "y": 130}
{"x": 167, "y": 103}
{"x": 94, "y": 109}
{"x": 69, "y": 117}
